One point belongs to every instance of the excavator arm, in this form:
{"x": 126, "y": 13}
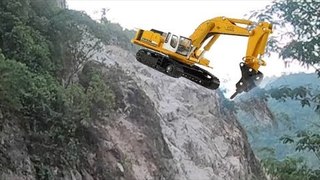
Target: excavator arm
{"x": 258, "y": 37}
{"x": 213, "y": 28}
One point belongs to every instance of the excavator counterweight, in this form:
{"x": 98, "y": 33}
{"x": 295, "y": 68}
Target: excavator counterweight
{"x": 179, "y": 56}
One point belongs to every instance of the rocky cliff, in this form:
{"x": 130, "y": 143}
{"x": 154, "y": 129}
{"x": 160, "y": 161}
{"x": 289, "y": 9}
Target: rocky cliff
{"x": 203, "y": 140}
{"x": 164, "y": 129}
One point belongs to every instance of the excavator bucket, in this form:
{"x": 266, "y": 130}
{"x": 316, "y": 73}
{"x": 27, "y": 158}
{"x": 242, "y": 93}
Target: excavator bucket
{"x": 249, "y": 80}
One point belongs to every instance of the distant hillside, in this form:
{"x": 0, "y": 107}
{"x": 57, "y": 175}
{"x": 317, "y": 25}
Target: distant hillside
{"x": 295, "y": 80}
{"x": 266, "y": 122}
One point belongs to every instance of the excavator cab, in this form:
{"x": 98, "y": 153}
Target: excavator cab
{"x": 178, "y": 44}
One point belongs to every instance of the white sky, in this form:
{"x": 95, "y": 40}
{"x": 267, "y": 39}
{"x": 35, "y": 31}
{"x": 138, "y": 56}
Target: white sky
{"x": 182, "y": 17}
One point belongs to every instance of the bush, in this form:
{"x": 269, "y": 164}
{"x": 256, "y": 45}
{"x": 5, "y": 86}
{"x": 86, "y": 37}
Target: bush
{"x": 15, "y": 81}
{"x": 42, "y": 52}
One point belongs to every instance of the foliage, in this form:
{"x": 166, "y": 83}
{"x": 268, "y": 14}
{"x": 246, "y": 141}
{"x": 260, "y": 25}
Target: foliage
{"x": 100, "y": 96}
{"x": 289, "y": 118}
{"x": 296, "y": 38}
{"x": 14, "y": 83}
{"x": 118, "y": 36}
{"x": 43, "y": 172}
{"x": 43, "y": 52}
{"x": 76, "y": 38}
{"x": 296, "y": 25}
{"x": 21, "y": 42}
{"x": 305, "y": 141}
{"x": 43, "y": 9}
{"x": 305, "y": 95}
{"x": 19, "y": 9}
{"x": 289, "y": 168}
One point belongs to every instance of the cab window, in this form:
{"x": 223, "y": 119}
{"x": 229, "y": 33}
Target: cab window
{"x": 167, "y": 38}
{"x": 184, "y": 46}
{"x": 174, "y": 41}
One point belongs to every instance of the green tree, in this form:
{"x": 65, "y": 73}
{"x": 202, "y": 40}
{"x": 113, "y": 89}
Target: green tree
{"x": 76, "y": 39}
{"x": 289, "y": 169}
{"x": 27, "y": 45}
{"x": 296, "y": 38}
{"x": 14, "y": 84}
{"x": 20, "y": 41}
{"x": 296, "y": 30}
{"x": 118, "y": 36}
{"x": 18, "y": 8}
{"x": 41, "y": 45}
{"x": 99, "y": 94}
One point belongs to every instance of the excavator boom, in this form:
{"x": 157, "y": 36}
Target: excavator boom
{"x": 177, "y": 55}
{"x": 213, "y": 28}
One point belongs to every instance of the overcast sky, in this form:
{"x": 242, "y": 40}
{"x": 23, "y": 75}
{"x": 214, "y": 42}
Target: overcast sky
{"x": 182, "y": 17}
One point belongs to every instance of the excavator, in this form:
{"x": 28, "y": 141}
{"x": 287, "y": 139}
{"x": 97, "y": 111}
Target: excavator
{"x": 179, "y": 56}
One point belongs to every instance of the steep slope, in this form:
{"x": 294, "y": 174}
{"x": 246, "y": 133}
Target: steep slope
{"x": 204, "y": 138}
{"x": 162, "y": 129}
{"x": 126, "y": 145}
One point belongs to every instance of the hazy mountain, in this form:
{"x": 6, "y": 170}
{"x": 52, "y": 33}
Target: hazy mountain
{"x": 267, "y": 122}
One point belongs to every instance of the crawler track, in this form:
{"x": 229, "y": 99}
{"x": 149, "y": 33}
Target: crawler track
{"x": 177, "y": 69}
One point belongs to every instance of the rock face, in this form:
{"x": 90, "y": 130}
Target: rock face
{"x": 128, "y": 144}
{"x": 255, "y": 111}
{"x": 204, "y": 140}
{"x": 163, "y": 129}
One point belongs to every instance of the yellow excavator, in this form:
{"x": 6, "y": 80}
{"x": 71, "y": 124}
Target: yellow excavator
{"x": 179, "y": 56}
